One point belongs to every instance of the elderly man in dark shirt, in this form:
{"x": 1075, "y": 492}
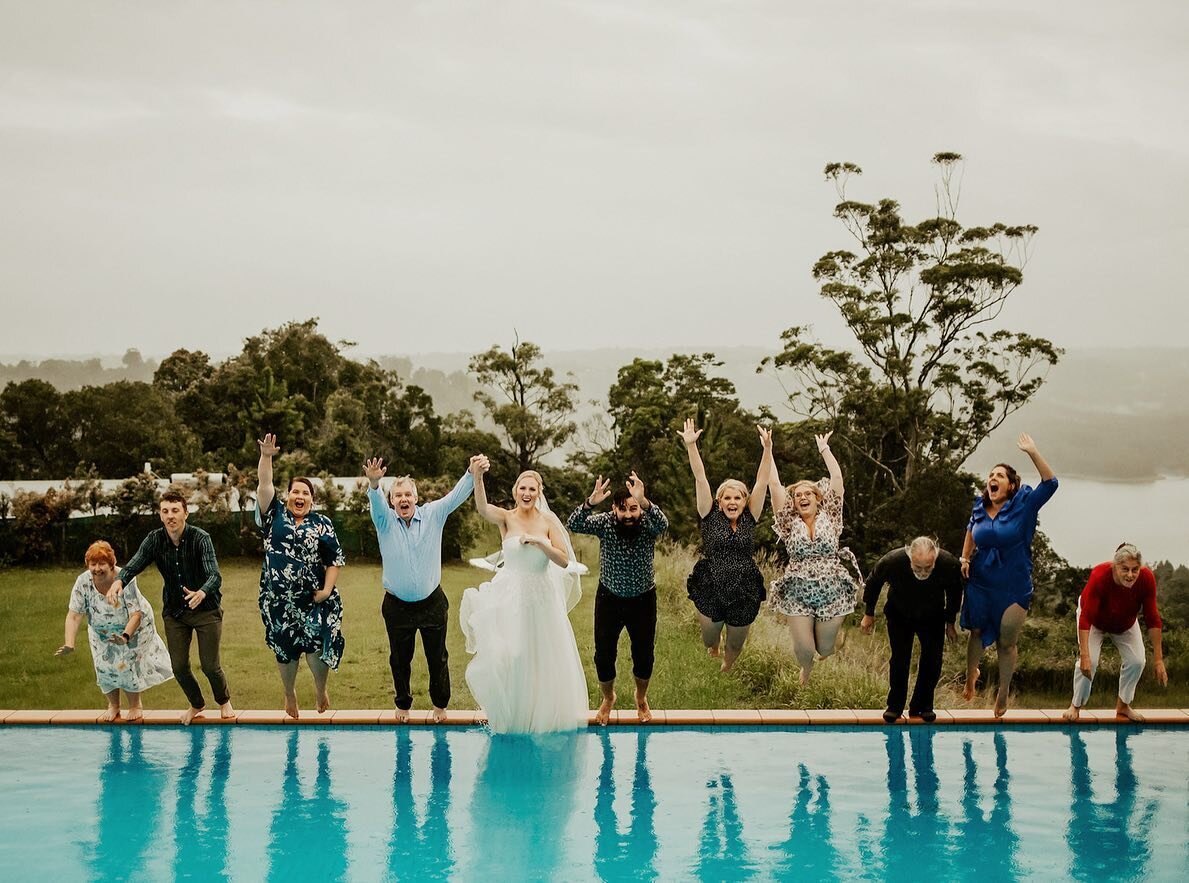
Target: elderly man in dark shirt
{"x": 185, "y": 556}
{"x": 925, "y": 592}
{"x": 626, "y": 597}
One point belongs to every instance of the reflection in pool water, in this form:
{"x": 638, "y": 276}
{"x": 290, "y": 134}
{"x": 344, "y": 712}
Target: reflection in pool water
{"x": 371, "y": 803}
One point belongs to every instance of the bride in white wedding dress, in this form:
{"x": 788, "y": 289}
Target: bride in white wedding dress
{"x": 526, "y": 674}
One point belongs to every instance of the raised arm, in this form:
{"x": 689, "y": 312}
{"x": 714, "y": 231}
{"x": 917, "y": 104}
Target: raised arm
{"x": 265, "y": 492}
{"x": 689, "y": 435}
{"x": 823, "y": 448}
{"x": 488, "y": 512}
{"x": 582, "y": 520}
{"x": 459, "y": 493}
{"x": 1028, "y": 446}
{"x": 374, "y": 469}
{"x": 756, "y": 501}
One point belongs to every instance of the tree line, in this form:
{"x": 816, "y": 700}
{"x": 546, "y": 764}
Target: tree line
{"x": 930, "y": 377}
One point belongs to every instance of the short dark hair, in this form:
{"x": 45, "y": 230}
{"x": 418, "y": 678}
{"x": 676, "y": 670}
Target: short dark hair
{"x": 172, "y": 495}
{"x": 620, "y": 497}
{"x": 306, "y": 481}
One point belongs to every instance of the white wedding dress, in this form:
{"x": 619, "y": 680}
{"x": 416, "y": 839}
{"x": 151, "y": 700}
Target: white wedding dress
{"x": 526, "y": 674}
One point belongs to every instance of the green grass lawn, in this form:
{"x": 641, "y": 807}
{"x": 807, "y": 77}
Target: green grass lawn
{"x": 33, "y": 607}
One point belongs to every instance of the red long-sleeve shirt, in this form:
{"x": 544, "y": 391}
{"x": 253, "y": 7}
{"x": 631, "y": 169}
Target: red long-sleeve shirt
{"x": 1113, "y": 608}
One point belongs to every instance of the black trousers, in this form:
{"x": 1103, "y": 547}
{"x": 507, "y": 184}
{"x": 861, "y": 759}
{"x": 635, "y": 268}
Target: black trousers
{"x": 612, "y": 614}
{"x": 402, "y": 621}
{"x": 179, "y": 632}
{"x": 901, "y": 631}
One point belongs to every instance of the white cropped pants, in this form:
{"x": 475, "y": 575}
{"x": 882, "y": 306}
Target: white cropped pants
{"x": 1131, "y": 655}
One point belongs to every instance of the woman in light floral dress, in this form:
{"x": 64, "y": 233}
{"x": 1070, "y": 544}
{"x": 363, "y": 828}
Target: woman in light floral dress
{"x": 816, "y": 590}
{"x": 299, "y": 601}
{"x": 126, "y": 650}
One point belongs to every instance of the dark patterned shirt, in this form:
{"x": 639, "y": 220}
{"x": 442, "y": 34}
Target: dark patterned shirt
{"x": 625, "y": 562}
{"x": 191, "y": 563}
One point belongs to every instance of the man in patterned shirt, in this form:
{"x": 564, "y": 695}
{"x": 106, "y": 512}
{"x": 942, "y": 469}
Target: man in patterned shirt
{"x": 626, "y": 597}
{"x": 190, "y": 599}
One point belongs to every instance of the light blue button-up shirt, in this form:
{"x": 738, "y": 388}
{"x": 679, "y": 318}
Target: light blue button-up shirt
{"x": 412, "y": 553}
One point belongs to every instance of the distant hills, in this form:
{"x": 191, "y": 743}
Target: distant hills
{"x": 1112, "y": 414}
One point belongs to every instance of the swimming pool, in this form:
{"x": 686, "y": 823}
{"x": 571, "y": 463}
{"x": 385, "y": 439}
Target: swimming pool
{"x": 371, "y": 803}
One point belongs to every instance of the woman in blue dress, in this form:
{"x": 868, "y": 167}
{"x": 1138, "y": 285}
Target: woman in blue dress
{"x": 299, "y": 603}
{"x": 997, "y": 564}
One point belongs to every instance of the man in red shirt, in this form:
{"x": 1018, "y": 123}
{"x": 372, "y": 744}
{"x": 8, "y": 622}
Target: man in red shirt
{"x": 1115, "y": 594}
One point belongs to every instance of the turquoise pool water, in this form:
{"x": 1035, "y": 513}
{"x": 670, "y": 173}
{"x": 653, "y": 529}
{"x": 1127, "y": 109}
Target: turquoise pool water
{"x": 920, "y": 803}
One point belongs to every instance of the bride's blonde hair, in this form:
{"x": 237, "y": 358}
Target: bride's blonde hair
{"x": 531, "y": 473}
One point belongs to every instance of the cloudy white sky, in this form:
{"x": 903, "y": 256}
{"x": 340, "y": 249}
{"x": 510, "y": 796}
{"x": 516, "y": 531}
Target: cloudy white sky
{"x": 428, "y": 176}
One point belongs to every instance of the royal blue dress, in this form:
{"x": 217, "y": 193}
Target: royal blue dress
{"x": 1001, "y": 569}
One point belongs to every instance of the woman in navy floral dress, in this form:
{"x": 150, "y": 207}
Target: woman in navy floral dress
{"x": 299, "y": 603}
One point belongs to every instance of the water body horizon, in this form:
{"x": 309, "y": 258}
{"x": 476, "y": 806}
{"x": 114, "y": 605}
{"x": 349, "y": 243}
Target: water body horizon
{"x": 1089, "y": 517}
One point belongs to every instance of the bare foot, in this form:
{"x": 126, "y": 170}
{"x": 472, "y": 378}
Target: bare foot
{"x": 291, "y": 709}
{"x": 189, "y": 714}
{"x": 804, "y": 679}
{"x": 726, "y": 666}
{"x": 402, "y": 715}
{"x": 1000, "y": 704}
{"x": 135, "y": 715}
{"x": 603, "y": 715}
{"x": 226, "y": 711}
{"x": 322, "y": 703}
{"x": 110, "y": 716}
{"x": 1071, "y": 714}
{"x": 1122, "y": 709}
{"x": 971, "y": 685}
{"x": 643, "y": 712}
{"x": 439, "y": 715}
{"x": 716, "y": 650}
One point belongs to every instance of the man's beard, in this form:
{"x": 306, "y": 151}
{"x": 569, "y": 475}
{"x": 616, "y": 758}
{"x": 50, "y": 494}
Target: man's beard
{"x": 628, "y": 530}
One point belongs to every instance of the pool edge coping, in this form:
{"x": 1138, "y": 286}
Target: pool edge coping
{"x": 735, "y": 717}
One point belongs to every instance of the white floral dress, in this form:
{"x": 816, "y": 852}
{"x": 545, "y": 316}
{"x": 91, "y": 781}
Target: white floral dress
{"x": 141, "y": 663}
{"x": 815, "y": 582}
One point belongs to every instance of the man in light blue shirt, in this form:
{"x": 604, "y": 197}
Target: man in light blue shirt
{"x": 410, "y": 539}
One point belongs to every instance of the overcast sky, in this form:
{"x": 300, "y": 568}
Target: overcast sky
{"x": 428, "y": 176}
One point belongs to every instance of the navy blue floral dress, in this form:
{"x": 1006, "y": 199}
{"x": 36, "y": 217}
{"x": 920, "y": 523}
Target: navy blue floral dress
{"x": 295, "y": 560}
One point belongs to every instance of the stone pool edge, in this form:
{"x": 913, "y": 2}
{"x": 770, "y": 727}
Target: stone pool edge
{"x": 661, "y": 717}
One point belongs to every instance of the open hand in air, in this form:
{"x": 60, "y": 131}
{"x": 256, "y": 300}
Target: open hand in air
{"x": 823, "y": 441}
{"x": 690, "y": 434}
{"x": 268, "y": 445}
{"x": 1025, "y": 443}
{"x": 765, "y": 437}
{"x": 602, "y": 490}
{"x": 636, "y": 487}
{"x": 374, "y": 469}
